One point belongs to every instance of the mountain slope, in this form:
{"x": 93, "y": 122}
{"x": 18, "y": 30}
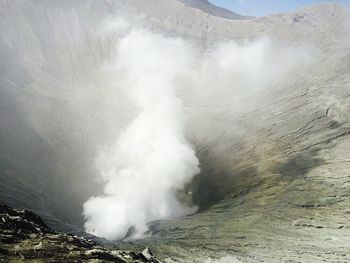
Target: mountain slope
{"x": 211, "y": 9}
{"x": 274, "y": 183}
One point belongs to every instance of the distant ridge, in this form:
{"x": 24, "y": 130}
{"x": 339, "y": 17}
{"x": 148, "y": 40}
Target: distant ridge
{"x": 212, "y": 9}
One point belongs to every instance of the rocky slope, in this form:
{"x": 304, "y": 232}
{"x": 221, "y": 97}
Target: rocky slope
{"x": 211, "y": 9}
{"x": 25, "y": 237}
{"x": 275, "y": 178}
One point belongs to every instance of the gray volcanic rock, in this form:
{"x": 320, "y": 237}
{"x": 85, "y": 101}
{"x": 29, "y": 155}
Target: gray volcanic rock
{"x": 25, "y": 237}
{"x": 211, "y": 9}
{"x": 274, "y": 185}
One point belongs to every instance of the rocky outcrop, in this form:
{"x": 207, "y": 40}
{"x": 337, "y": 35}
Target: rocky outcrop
{"x": 25, "y": 237}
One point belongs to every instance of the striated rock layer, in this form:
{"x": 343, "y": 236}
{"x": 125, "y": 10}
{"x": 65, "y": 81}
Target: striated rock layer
{"x": 274, "y": 185}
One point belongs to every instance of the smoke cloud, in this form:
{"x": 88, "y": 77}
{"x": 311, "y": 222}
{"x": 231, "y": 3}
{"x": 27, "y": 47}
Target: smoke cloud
{"x": 151, "y": 159}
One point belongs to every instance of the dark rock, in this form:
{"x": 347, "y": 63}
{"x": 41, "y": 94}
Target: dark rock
{"x": 24, "y": 235}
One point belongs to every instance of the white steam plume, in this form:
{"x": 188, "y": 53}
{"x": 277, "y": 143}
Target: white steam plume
{"x": 151, "y": 160}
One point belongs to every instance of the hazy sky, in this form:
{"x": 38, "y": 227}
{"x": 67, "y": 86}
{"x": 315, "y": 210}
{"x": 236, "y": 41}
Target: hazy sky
{"x": 265, "y": 7}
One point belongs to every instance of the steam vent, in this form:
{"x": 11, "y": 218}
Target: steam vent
{"x": 173, "y": 131}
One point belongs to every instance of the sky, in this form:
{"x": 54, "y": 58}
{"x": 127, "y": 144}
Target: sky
{"x": 266, "y": 7}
